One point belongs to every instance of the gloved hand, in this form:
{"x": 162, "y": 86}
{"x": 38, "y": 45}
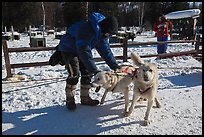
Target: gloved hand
{"x": 56, "y": 59}
{"x": 117, "y": 69}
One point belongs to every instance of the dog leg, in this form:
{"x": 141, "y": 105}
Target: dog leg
{"x": 103, "y": 97}
{"x": 146, "y": 118}
{"x": 136, "y": 96}
{"x": 126, "y": 95}
{"x": 158, "y": 104}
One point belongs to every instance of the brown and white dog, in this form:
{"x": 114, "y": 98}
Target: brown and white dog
{"x": 145, "y": 81}
{"x": 115, "y": 82}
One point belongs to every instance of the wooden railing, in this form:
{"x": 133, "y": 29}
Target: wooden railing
{"x": 124, "y": 45}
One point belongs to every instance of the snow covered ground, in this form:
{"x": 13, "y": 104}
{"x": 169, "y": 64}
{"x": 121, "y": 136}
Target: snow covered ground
{"x": 38, "y": 107}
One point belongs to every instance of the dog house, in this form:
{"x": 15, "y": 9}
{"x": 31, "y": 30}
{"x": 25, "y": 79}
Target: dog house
{"x": 50, "y": 32}
{"x": 32, "y": 33}
{"x": 6, "y": 36}
{"x": 58, "y": 35}
{"x": 184, "y": 23}
{"x": 16, "y": 36}
{"x": 37, "y": 42}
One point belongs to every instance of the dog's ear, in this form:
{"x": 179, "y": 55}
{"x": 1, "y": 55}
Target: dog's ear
{"x": 136, "y": 59}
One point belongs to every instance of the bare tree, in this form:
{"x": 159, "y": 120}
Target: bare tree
{"x": 87, "y": 10}
{"x": 141, "y": 6}
{"x": 43, "y": 8}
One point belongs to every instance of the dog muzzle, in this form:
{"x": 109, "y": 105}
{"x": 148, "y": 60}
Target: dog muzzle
{"x": 95, "y": 86}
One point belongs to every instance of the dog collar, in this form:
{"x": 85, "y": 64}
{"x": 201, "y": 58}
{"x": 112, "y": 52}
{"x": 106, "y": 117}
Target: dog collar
{"x": 143, "y": 91}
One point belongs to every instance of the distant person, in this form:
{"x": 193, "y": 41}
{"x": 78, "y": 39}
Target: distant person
{"x": 163, "y": 30}
{"x": 75, "y": 51}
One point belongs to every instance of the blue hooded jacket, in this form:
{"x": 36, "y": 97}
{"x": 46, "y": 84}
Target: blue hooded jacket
{"x": 81, "y": 37}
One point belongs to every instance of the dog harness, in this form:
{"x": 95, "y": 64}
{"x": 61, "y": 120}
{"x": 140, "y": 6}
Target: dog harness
{"x": 112, "y": 88}
{"x": 125, "y": 70}
{"x": 111, "y": 81}
{"x": 143, "y": 91}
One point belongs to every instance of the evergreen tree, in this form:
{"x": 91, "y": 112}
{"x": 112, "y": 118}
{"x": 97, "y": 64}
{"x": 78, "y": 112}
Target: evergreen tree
{"x": 63, "y": 14}
{"x": 73, "y": 12}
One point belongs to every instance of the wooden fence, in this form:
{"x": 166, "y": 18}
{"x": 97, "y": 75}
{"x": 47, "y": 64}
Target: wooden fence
{"x": 124, "y": 45}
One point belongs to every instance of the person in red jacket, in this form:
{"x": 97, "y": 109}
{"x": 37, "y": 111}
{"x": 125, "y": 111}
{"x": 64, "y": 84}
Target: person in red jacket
{"x": 163, "y": 30}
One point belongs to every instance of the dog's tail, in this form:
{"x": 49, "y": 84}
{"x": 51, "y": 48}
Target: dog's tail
{"x": 137, "y": 60}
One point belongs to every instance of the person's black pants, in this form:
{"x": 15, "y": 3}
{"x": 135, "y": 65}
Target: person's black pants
{"x": 74, "y": 67}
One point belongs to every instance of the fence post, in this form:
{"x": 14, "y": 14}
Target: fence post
{"x": 125, "y": 46}
{"x": 6, "y": 58}
{"x": 197, "y": 44}
{"x": 12, "y": 35}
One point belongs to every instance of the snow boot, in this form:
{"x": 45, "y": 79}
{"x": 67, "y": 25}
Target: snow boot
{"x": 85, "y": 98}
{"x": 70, "y": 101}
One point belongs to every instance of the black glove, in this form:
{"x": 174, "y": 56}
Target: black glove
{"x": 117, "y": 67}
{"x": 96, "y": 72}
{"x": 56, "y": 59}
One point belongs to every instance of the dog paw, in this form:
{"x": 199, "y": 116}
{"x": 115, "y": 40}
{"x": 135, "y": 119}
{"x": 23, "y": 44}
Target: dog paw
{"x": 158, "y": 106}
{"x": 101, "y": 103}
{"x": 147, "y": 122}
{"x": 126, "y": 114}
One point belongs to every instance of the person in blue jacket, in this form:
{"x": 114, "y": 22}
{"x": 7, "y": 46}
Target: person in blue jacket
{"x": 75, "y": 48}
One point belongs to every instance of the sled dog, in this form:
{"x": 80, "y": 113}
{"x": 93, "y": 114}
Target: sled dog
{"x": 145, "y": 81}
{"x": 115, "y": 82}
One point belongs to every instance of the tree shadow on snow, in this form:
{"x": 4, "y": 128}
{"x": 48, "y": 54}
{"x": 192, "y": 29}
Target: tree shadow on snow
{"x": 57, "y": 120}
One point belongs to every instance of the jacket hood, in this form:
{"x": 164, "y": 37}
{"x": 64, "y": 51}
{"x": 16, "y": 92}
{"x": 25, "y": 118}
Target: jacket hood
{"x": 95, "y": 18}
